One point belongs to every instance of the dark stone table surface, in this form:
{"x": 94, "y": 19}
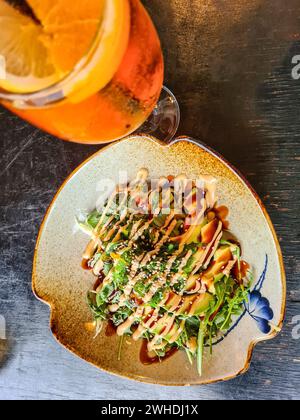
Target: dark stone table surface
{"x": 230, "y": 65}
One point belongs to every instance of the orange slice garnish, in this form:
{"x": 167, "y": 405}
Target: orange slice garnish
{"x": 89, "y": 37}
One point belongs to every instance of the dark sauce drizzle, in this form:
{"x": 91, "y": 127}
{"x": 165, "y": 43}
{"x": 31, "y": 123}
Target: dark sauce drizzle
{"x": 85, "y": 265}
{"x": 148, "y": 360}
{"x": 110, "y": 329}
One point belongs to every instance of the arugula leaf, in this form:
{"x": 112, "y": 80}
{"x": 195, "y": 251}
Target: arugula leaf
{"x": 192, "y": 325}
{"x": 93, "y": 219}
{"x": 157, "y": 298}
{"x": 103, "y": 295}
{"x": 189, "y": 267}
{"x": 218, "y": 278}
{"x": 180, "y": 285}
{"x": 189, "y": 356}
{"x": 234, "y": 306}
{"x": 107, "y": 267}
{"x": 121, "y": 315}
{"x": 99, "y": 311}
{"x": 112, "y": 247}
{"x": 120, "y": 277}
{"x": 142, "y": 288}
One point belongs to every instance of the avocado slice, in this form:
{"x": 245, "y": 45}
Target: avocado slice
{"x": 172, "y": 332}
{"x": 173, "y": 300}
{"x": 157, "y": 330}
{"x": 158, "y": 327}
{"x": 187, "y": 304}
{"x": 201, "y": 304}
{"x": 223, "y": 254}
{"x": 196, "y": 235}
{"x": 214, "y": 270}
{"x": 191, "y": 282}
{"x": 208, "y": 231}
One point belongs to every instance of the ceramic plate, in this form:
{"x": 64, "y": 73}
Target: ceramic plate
{"x": 60, "y": 281}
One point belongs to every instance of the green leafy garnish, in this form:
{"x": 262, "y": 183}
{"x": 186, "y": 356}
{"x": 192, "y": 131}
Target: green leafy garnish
{"x": 157, "y": 298}
{"x": 93, "y": 219}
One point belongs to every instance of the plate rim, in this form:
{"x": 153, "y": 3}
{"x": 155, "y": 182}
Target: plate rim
{"x": 255, "y": 195}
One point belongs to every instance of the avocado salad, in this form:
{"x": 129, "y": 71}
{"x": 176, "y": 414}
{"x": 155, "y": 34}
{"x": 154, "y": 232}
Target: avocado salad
{"x": 174, "y": 279}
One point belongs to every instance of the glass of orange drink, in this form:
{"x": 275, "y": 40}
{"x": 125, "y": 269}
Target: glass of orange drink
{"x": 88, "y": 71}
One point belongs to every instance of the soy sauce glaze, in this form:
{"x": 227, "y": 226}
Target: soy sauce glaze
{"x": 110, "y": 329}
{"x": 147, "y": 360}
{"x": 222, "y": 213}
{"x": 85, "y": 265}
{"x": 99, "y": 281}
{"x": 240, "y": 270}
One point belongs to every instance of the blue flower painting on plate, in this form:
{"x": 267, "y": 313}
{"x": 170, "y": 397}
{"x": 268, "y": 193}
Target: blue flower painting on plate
{"x": 258, "y": 307}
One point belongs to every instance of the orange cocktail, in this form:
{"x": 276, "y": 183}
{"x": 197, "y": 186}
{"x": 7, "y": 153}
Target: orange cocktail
{"x": 91, "y": 71}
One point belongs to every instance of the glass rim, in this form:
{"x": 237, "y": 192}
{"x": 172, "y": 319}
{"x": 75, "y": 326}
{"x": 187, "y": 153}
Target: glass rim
{"x": 55, "y": 92}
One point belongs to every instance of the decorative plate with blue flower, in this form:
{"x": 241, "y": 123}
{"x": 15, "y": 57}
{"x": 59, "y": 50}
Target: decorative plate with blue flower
{"x": 58, "y": 279}
{"x": 257, "y": 307}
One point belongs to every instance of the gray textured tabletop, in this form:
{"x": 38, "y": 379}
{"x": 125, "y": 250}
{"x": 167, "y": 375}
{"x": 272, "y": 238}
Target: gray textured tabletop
{"x": 230, "y": 65}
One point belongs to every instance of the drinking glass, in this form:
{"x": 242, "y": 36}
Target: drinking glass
{"x": 111, "y": 70}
